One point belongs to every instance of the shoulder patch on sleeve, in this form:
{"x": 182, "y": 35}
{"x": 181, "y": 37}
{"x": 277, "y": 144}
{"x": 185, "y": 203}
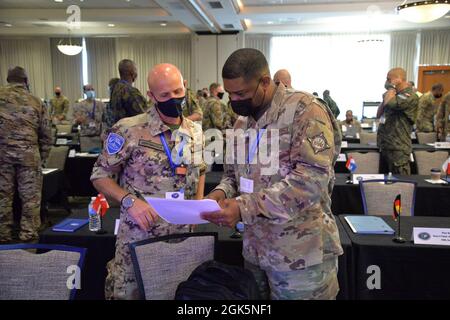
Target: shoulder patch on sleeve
{"x": 318, "y": 143}
{"x": 114, "y": 143}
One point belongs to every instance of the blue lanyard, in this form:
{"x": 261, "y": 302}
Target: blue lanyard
{"x": 169, "y": 154}
{"x": 254, "y": 147}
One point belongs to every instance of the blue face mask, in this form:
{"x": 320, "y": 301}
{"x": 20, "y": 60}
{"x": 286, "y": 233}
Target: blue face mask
{"x": 90, "y": 94}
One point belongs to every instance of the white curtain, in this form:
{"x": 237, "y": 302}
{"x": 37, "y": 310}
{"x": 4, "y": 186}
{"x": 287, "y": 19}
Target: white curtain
{"x": 353, "y": 71}
{"x": 404, "y": 53}
{"x": 102, "y": 66}
{"x": 260, "y": 42}
{"x": 67, "y": 71}
{"x": 147, "y": 52}
{"x": 435, "y": 47}
{"x": 33, "y": 54}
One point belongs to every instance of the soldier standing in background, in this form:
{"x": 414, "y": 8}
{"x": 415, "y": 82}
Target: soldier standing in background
{"x": 397, "y": 114}
{"x": 331, "y": 103}
{"x": 59, "y": 107}
{"x": 427, "y": 109}
{"x": 215, "y": 113}
{"x": 291, "y": 241}
{"x": 192, "y": 108}
{"x": 25, "y": 142}
{"x": 443, "y": 118}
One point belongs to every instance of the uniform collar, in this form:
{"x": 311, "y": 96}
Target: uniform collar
{"x": 157, "y": 126}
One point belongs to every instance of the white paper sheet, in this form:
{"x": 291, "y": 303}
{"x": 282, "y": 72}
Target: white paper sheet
{"x": 182, "y": 211}
{"x": 344, "y": 144}
{"x": 48, "y": 170}
{"x": 364, "y": 177}
{"x": 436, "y": 181}
{"x": 116, "y": 226}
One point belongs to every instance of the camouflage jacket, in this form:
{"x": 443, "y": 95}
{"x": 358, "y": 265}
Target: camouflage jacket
{"x": 443, "y": 117}
{"x": 332, "y": 105}
{"x": 425, "y": 112}
{"x": 91, "y": 112}
{"x": 288, "y": 219}
{"x": 25, "y": 125}
{"x": 59, "y": 105}
{"x": 192, "y": 105}
{"x": 214, "y": 114}
{"x": 399, "y": 114}
{"x": 126, "y": 101}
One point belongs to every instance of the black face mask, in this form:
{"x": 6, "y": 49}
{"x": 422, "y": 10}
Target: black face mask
{"x": 57, "y": 94}
{"x": 245, "y": 107}
{"x": 172, "y": 108}
{"x": 220, "y": 95}
{"x": 437, "y": 96}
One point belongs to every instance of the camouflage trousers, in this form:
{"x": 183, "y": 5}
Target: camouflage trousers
{"x": 120, "y": 282}
{"x": 318, "y": 282}
{"x": 29, "y": 186}
{"x": 397, "y": 162}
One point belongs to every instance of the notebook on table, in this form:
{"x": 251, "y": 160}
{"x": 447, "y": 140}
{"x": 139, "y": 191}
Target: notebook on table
{"x": 368, "y": 225}
{"x": 70, "y": 225}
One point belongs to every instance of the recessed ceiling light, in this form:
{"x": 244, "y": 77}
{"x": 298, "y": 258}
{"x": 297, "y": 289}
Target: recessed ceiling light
{"x": 163, "y": 24}
{"x": 58, "y": 0}
{"x": 111, "y": 25}
{"x": 269, "y": 22}
{"x": 9, "y": 25}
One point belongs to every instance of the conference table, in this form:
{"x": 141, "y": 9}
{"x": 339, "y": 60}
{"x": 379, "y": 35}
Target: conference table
{"x": 407, "y": 271}
{"x": 101, "y": 249}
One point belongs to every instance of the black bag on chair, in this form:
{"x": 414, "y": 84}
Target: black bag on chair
{"x": 214, "y": 280}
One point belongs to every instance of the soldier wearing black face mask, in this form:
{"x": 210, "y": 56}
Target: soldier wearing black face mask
{"x": 428, "y": 105}
{"x": 215, "y": 111}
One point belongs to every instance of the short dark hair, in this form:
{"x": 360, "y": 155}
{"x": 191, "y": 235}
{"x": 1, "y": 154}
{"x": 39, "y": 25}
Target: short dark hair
{"x": 437, "y": 86}
{"x": 213, "y": 86}
{"x": 16, "y": 74}
{"x": 326, "y": 92}
{"x": 412, "y": 83}
{"x": 246, "y": 63}
{"x": 125, "y": 67}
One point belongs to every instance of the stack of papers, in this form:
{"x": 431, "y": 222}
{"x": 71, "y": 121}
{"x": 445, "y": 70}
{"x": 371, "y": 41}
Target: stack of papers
{"x": 368, "y": 225}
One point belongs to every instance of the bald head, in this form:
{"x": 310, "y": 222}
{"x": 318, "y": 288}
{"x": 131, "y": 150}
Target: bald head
{"x": 398, "y": 72}
{"x": 127, "y": 70}
{"x": 165, "y": 82}
{"x": 282, "y": 76}
{"x": 397, "y": 77}
{"x": 17, "y": 74}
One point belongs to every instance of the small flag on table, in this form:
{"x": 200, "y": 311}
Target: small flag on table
{"x": 100, "y": 204}
{"x": 397, "y": 207}
{"x": 351, "y": 165}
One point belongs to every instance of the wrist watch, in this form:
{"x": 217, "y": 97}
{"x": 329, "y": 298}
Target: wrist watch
{"x": 128, "y": 201}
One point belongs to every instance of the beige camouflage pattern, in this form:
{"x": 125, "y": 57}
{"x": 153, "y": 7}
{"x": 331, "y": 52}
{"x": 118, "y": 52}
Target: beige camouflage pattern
{"x": 394, "y": 136}
{"x": 59, "y": 106}
{"x": 192, "y": 105}
{"x": 25, "y": 144}
{"x": 318, "y": 282}
{"x": 215, "y": 114}
{"x": 288, "y": 220}
{"x": 443, "y": 117}
{"x": 425, "y": 113}
{"x": 142, "y": 166}
{"x": 92, "y": 121}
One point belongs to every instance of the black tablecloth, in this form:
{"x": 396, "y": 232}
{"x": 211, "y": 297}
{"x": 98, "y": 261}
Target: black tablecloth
{"x": 101, "y": 249}
{"x": 431, "y": 200}
{"x": 78, "y": 173}
{"x": 408, "y": 271}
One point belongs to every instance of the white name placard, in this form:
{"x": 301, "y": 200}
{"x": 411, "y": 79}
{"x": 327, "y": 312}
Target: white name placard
{"x": 434, "y": 236}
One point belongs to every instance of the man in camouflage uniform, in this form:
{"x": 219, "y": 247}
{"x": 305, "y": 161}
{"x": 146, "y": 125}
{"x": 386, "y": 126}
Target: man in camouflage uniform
{"x": 134, "y": 151}
{"x": 350, "y": 122}
{"x": 331, "y": 103}
{"x": 397, "y": 115}
{"x": 291, "y": 241}
{"x": 427, "y": 109}
{"x": 88, "y": 114}
{"x": 126, "y": 100}
{"x": 215, "y": 114}
{"x": 192, "y": 108}
{"x": 59, "y": 107}
{"x": 25, "y": 144}
{"x": 443, "y": 118}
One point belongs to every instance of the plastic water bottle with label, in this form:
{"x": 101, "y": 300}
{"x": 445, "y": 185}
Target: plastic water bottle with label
{"x": 95, "y": 223}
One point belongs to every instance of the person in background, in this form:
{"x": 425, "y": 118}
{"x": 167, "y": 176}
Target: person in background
{"x": 397, "y": 114}
{"x": 413, "y": 87}
{"x": 331, "y": 103}
{"x": 443, "y": 119}
{"x": 25, "y": 145}
{"x": 215, "y": 115}
{"x": 351, "y": 122}
{"x": 428, "y": 105}
{"x": 192, "y": 108}
{"x": 283, "y": 76}
{"x": 59, "y": 107}
{"x": 126, "y": 100}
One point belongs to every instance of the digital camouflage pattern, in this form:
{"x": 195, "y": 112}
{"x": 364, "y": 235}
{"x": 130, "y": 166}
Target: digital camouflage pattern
{"x": 59, "y": 106}
{"x": 192, "y": 105}
{"x": 425, "y": 113}
{"x": 288, "y": 221}
{"x": 25, "y": 145}
{"x": 443, "y": 117}
{"x": 214, "y": 114}
{"x": 394, "y": 135}
{"x": 126, "y": 101}
{"x": 91, "y": 111}
{"x": 143, "y": 167}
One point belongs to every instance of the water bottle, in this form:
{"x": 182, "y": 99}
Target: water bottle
{"x": 389, "y": 178}
{"x": 374, "y": 127}
{"x": 94, "y": 217}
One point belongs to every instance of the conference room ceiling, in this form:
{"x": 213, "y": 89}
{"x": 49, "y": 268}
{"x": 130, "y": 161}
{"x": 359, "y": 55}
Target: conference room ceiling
{"x": 142, "y": 17}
